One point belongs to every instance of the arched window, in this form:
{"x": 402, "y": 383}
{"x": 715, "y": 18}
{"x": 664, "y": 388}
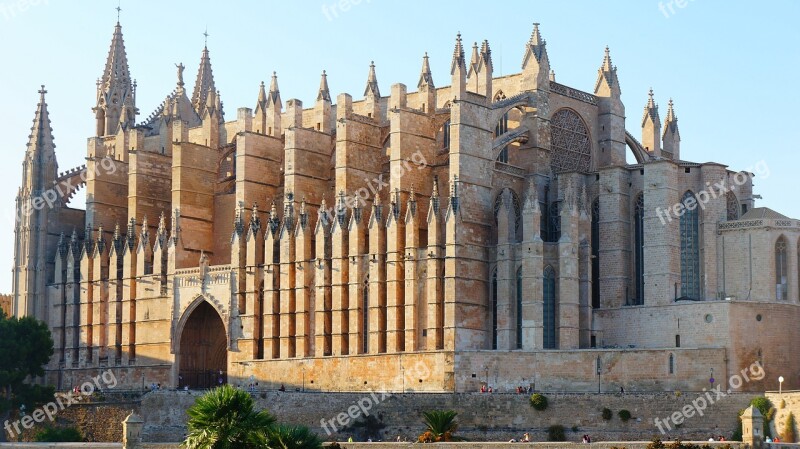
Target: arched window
{"x": 549, "y": 310}
{"x": 502, "y": 126}
{"x": 781, "y": 278}
{"x": 690, "y": 248}
{"x": 519, "y": 308}
{"x": 494, "y": 309}
{"x": 571, "y": 145}
{"x": 446, "y": 134}
{"x": 503, "y": 156}
{"x": 672, "y": 364}
{"x": 596, "y": 254}
{"x": 638, "y": 248}
{"x": 732, "y": 206}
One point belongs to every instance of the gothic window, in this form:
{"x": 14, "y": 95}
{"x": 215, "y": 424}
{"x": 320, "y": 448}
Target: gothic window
{"x": 550, "y": 220}
{"x": 494, "y": 309}
{"x": 781, "y": 278}
{"x": 519, "y": 308}
{"x": 690, "y": 248}
{"x": 596, "y": 254}
{"x": 446, "y": 134}
{"x": 638, "y": 248}
{"x": 549, "y": 318}
{"x": 365, "y": 317}
{"x": 502, "y": 126}
{"x": 733, "y": 206}
{"x": 570, "y": 142}
{"x": 671, "y": 364}
{"x": 503, "y": 156}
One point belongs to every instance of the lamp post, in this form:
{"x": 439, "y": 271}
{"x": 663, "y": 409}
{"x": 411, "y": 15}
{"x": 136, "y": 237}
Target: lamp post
{"x": 711, "y": 379}
{"x": 780, "y": 386}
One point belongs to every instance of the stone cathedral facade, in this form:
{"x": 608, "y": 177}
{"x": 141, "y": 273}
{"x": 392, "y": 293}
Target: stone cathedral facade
{"x": 503, "y": 230}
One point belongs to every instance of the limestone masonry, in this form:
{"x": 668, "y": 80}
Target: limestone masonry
{"x": 486, "y": 232}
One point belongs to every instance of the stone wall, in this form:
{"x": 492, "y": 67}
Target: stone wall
{"x": 784, "y": 403}
{"x": 482, "y": 417}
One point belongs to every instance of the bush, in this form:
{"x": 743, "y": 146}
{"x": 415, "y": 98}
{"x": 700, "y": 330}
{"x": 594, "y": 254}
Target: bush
{"x": 789, "y": 434}
{"x": 538, "y": 402}
{"x": 607, "y": 414}
{"x": 59, "y": 435}
{"x": 767, "y": 410}
{"x": 556, "y": 433}
{"x": 624, "y": 415}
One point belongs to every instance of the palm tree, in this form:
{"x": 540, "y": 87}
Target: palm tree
{"x": 441, "y": 425}
{"x": 292, "y": 437}
{"x": 225, "y": 418}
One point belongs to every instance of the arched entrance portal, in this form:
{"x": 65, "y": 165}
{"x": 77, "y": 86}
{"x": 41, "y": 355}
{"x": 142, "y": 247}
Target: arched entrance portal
{"x": 203, "y": 350}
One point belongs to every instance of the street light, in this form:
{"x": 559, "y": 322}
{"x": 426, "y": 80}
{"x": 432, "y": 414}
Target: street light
{"x": 780, "y": 385}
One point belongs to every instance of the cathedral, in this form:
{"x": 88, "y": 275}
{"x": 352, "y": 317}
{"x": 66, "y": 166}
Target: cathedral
{"x": 498, "y": 231}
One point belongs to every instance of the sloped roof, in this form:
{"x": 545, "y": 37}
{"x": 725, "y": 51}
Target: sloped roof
{"x": 761, "y": 213}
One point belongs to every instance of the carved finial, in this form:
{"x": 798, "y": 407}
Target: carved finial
{"x": 162, "y": 224}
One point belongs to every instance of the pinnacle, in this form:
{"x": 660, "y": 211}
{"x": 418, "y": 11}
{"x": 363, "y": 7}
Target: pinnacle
{"x": 204, "y": 83}
{"x": 41, "y": 138}
{"x": 372, "y": 83}
{"x": 324, "y": 92}
{"x": 458, "y": 55}
{"x": 425, "y": 77}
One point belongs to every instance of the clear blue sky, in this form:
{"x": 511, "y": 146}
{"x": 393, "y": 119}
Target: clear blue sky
{"x": 730, "y": 66}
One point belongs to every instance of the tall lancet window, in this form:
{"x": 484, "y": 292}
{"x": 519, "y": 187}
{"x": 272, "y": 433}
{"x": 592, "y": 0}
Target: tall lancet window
{"x": 596, "y": 254}
{"x": 638, "y": 248}
{"x": 690, "y": 248}
{"x": 519, "y": 308}
{"x": 781, "y": 277}
{"x": 493, "y": 299}
{"x": 549, "y": 318}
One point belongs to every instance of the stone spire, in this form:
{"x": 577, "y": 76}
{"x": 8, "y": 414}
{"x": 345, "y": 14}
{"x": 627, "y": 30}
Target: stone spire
{"x": 536, "y": 48}
{"x": 536, "y": 63}
{"x": 274, "y": 93}
{"x": 435, "y": 195}
{"x": 324, "y": 93}
{"x": 458, "y": 56}
{"x": 473, "y": 61}
{"x": 425, "y": 76}
{"x": 372, "y": 83}
{"x": 261, "y": 104}
{"x": 486, "y": 54}
{"x": 131, "y": 235}
{"x": 204, "y": 83}
{"x": 114, "y": 88}
{"x": 651, "y": 127}
{"x": 671, "y": 136}
{"x": 41, "y": 146}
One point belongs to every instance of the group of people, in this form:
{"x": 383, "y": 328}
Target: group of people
{"x": 526, "y": 438}
{"x": 524, "y": 390}
{"x": 768, "y": 440}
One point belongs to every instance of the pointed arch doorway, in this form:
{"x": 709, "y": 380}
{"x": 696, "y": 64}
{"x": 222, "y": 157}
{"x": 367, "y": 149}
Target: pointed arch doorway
{"x": 203, "y": 349}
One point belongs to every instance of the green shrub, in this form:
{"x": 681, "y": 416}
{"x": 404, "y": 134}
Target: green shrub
{"x": 656, "y": 444}
{"x": 556, "y": 433}
{"x": 538, "y": 402}
{"x": 789, "y": 433}
{"x": 59, "y": 435}
{"x": 767, "y": 410}
{"x": 624, "y": 415}
{"x": 607, "y": 414}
